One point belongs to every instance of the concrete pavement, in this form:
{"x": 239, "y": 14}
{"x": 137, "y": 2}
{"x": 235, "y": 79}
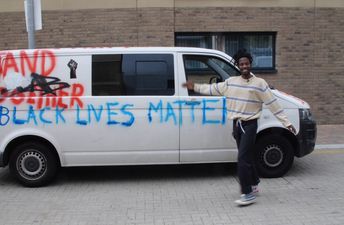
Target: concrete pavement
{"x": 310, "y": 194}
{"x": 330, "y": 136}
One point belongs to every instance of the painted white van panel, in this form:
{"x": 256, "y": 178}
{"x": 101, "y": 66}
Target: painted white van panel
{"x": 116, "y": 130}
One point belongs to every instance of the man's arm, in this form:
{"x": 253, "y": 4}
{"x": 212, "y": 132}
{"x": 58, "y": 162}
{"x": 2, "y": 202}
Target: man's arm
{"x": 272, "y": 103}
{"x": 207, "y": 89}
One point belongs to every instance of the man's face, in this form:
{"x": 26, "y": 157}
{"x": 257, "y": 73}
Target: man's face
{"x": 244, "y": 66}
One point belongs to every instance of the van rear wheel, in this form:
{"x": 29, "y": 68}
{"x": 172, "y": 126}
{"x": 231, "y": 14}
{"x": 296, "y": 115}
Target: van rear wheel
{"x": 274, "y": 156}
{"x": 33, "y": 164}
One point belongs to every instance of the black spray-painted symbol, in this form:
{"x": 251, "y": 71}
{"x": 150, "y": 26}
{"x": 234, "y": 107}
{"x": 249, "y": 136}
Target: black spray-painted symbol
{"x": 39, "y": 83}
{"x": 72, "y": 66}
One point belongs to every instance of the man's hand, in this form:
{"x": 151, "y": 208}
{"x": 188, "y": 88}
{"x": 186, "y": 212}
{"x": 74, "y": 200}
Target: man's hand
{"x": 292, "y": 129}
{"x": 189, "y": 85}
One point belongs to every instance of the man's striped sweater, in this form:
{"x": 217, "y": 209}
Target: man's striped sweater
{"x": 245, "y": 98}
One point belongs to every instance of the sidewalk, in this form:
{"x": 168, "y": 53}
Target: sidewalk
{"x": 330, "y": 136}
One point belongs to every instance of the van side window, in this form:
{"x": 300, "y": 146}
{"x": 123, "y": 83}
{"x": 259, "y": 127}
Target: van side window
{"x": 107, "y": 75}
{"x": 132, "y": 74}
{"x": 148, "y": 74}
{"x": 207, "y": 69}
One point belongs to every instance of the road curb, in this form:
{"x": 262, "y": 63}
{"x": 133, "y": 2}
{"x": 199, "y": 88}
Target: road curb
{"x": 331, "y": 146}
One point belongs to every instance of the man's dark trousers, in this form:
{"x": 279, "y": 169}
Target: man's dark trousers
{"x": 244, "y": 133}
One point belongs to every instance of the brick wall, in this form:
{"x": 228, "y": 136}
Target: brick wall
{"x": 329, "y": 65}
{"x": 309, "y": 51}
{"x": 13, "y": 31}
{"x": 107, "y": 27}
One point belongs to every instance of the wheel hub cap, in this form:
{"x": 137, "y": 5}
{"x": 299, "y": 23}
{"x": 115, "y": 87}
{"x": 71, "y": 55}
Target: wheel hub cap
{"x": 273, "y": 156}
{"x": 31, "y": 164}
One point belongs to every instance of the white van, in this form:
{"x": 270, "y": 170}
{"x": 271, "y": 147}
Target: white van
{"x": 127, "y": 106}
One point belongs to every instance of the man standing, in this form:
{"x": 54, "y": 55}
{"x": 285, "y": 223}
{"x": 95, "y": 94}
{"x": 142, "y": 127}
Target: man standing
{"x": 245, "y": 96}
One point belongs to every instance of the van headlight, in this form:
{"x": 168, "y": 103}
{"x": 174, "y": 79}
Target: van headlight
{"x": 305, "y": 114}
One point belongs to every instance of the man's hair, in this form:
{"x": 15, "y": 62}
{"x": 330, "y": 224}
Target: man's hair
{"x": 242, "y": 53}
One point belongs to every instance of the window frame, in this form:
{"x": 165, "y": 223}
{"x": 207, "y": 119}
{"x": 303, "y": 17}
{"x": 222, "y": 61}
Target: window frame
{"x": 218, "y": 43}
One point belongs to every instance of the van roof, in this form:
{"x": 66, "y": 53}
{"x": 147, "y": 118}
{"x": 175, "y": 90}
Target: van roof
{"x": 99, "y": 50}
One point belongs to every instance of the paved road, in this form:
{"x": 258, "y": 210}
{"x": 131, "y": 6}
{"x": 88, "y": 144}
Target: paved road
{"x": 311, "y": 193}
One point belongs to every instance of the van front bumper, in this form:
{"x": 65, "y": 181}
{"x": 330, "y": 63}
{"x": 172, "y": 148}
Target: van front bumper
{"x": 306, "y": 136}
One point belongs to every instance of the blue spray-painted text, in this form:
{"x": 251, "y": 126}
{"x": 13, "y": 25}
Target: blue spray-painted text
{"x": 206, "y": 111}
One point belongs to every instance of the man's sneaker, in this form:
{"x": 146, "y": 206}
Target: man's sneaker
{"x": 246, "y": 199}
{"x": 255, "y": 190}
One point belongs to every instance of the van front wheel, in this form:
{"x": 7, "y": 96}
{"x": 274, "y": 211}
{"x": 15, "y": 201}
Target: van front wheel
{"x": 33, "y": 164}
{"x": 274, "y": 156}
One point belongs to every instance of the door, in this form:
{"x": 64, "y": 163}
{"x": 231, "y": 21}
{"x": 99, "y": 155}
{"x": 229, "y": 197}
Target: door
{"x": 205, "y": 133}
{"x": 131, "y": 116}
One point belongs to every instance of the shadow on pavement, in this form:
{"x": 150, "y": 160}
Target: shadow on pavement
{"x": 142, "y": 173}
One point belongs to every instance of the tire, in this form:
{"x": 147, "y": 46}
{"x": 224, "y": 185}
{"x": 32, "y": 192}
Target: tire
{"x": 33, "y": 164}
{"x": 274, "y": 156}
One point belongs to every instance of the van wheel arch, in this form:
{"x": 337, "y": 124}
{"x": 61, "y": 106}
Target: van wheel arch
{"x": 32, "y": 160}
{"x": 279, "y": 131}
{"x": 28, "y": 138}
{"x": 274, "y": 152}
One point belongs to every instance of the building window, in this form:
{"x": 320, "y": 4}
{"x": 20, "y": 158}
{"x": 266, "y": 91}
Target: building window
{"x": 260, "y": 44}
{"x": 201, "y": 41}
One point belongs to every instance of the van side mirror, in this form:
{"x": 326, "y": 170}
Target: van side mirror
{"x": 271, "y": 87}
{"x": 214, "y": 79}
